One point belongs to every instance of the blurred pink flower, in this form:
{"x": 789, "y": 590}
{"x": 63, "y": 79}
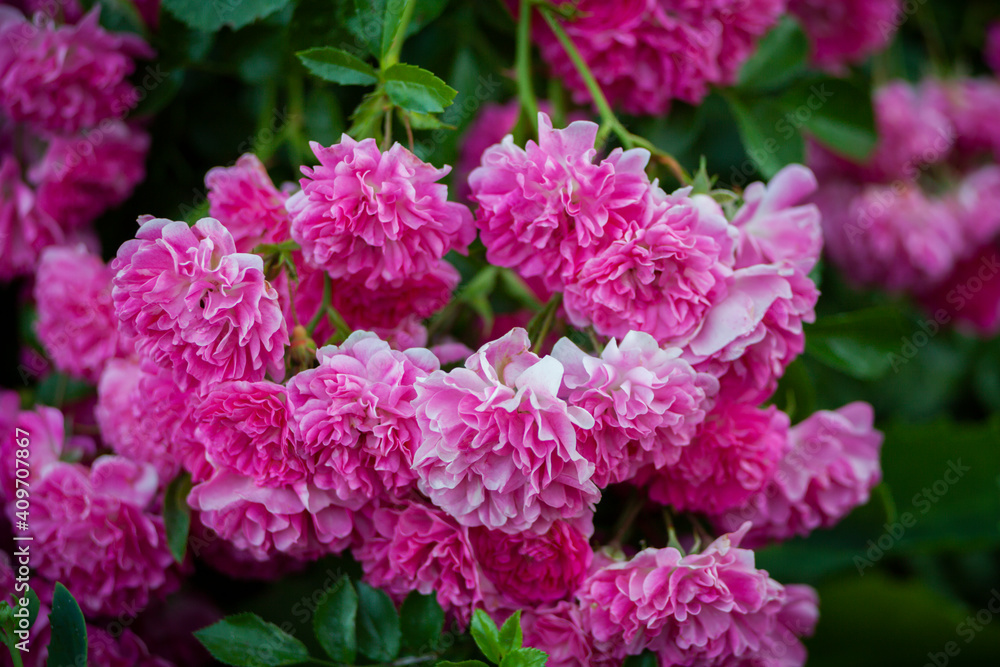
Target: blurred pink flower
{"x": 377, "y": 217}
{"x": 499, "y": 447}
{"x": 94, "y": 532}
{"x": 25, "y": 229}
{"x": 847, "y": 31}
{"x": 124, "y": 649}
{"x": 243, "y": 198}
{"x": 198, "y": 307}
{"x": 68, "y": 77}
{"x": 558, "y": 629}
{"x": 991, "y": 50}
{"x": 81, "y": 177}
{"x": 544, "y": 209}
{"x": 645, "y": 53}
{"x": 646, "y": 402}
{"x": 76, "y": 321}
{"x": 830, "y": 467}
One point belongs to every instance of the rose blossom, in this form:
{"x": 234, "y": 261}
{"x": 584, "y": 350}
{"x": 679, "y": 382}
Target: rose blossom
{"x": 417, "y": 547}
{"x": 710, "y": 607}
{"x": 24, "y": 228}
{"x": 499, "y": 447}
{"x": 732, "y": 457}
{"x": 76, "y": 319}
{"x": 644, "y": 53}
{"x": 197, "y": 306}
{"x": 354, "y": 415}
{"x": 660, "y": 277}
{"x": 646, "y": 403}
{"x": 64, "y": 78}
{"x": 94, "y": 532}
{"x": 846, "y": 31}
{"x": 244, "y": 426}
{"x": 530, "y": 568}
{"x": 830, "y": 467}
{"x": 243, "y": 198}
{"x": 545, "y": 208}
{"x": 377, "y": 217}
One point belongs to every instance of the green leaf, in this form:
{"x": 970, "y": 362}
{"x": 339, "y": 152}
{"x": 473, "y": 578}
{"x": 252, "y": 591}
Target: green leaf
{"x": 769, "y": 137}
{"x": 247, "y": 640}
{"x": 836, "y": 112}
{"x": 417, "y": 89}
{"x": 378, "y": 624}
{"x": 214, "y": 14}
{"x": 524, "y": 657}
{"x": 334, "y": 621}
{"x": 780, "y": 56}
{"x": 69, "y": 631}
{"x": 393, "y": 16}
{"x": 338, "y": 66}
{"x": 861, "y": 344}
{"x": 464, "y": 663}
{"x": 487, "y": 637}
{"x": 118, "y": 16}
{"x": 422, "y": 621}
{"x": 177, "y": 515}
{"x": 33, "y": 606}
{"x": 511, "y": 636}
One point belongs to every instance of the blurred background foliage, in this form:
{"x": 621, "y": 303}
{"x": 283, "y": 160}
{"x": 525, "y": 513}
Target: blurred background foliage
{"x": 892, "y": 594}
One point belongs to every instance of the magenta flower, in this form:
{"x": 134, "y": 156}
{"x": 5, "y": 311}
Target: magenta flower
{"x": 977, "y": 311}
{"x": 354, "y": 416}
{"x": 712, "y": 607}
{"x": 645, "y": 53}
{"x": 417, "y": 547}
{"x": 559, "y": 630}
{"x": 646, "y": 402}
{"x": 499, "y": 447}
{"x": 94, "y": 532}
{"x": 528, "y": 568}
{"x": 243, "y": 198}
{"x": 25, "y": 229}
{"x": 124, "y": 649}
{"x": 847, "y": 31}
{"x": 377, "y": 217}
{"x": 299, "y": 520}
{"x": 47, "y": 443}
{"x": 244, "y": 426}
{"x": 775, "y": 225}
{"x": 197, "y": 306}
{"x": 65, "y": 78}
{"x": 660, "y": 277}
{"x": 830, "y": 468}
{"x": 732, "y": 457}
{"x": 78, "y": 179}
{"x": 749, "y": 338}
{"x": 76, "y": 321}
{"x": 544, "y": 209}
{"x": 133, "y": 424}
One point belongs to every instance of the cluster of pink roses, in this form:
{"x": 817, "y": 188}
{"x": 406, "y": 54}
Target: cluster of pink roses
{"x": 479, "y": 483}
{"x": 922, "y": 214}
{"x": 67, "y": 151}
{"x": 646, "y": 53}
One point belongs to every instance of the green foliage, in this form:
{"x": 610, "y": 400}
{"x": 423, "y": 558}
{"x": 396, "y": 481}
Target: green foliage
{"x": 177, "y": 515}
{"x": 211, "y": 15}
{"x": 246, "y": 640}
{"x": 335, "y": 620}
{"x": 68, "y": 645}
{"x": 421, "y": 622}
{"x": 379, "y": 634}
{"x": 338, "y": 66}
{"x": 858, "y": 343}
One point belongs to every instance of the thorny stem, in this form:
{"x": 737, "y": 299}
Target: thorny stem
{"x": 392, "y": 57}
{"x": 541, "y": 323}
{"x": 321, "y": 311}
